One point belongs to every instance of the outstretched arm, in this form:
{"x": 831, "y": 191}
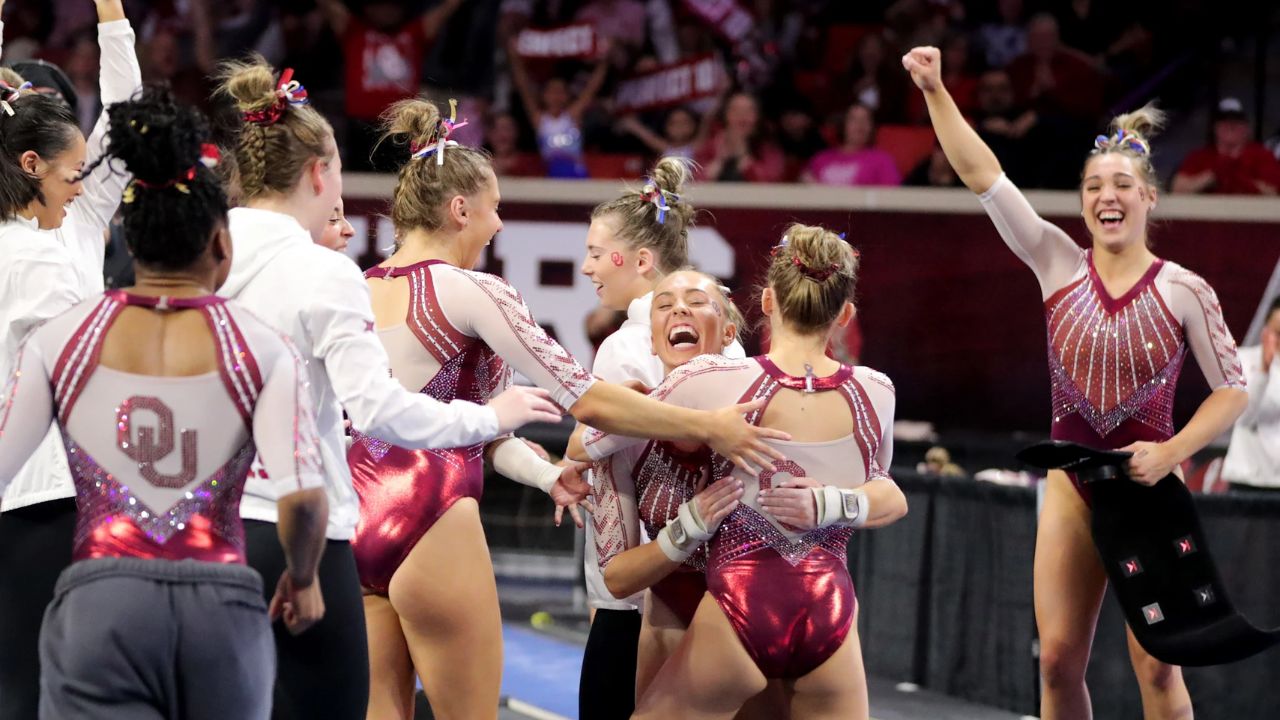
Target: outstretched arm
{"x": 520, "y": 77}
{"x": 583, "y": 101}
{"x": 972, "y": 160}
{"x": 434, "y": 19}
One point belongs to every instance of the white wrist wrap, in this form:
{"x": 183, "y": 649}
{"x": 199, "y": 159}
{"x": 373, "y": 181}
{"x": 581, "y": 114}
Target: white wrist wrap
{"x": 515, "y": 460}
{"x": 684, "y": 534}
{"x": 837, "y": 506}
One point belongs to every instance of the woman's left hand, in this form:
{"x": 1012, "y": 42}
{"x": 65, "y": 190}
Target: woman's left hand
{"x": 570, "y": 490}
{"x": 1150, "y": 463}
{"x": 792, "y": 503}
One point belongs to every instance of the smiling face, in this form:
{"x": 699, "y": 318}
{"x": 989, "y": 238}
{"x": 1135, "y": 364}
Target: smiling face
{"x": 60, "y": 181}
{"x": 689, "y": 318}
{"x": 612, "y": 267}
{"x": 482, "y": 222}
{"x": 1115, "y": 201}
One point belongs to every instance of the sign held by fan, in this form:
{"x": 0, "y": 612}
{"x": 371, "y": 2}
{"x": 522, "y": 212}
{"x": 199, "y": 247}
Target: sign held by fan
{"x": 675, "y": 84}
{"x": 568, "y": 41}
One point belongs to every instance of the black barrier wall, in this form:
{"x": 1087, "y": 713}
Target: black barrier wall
{"x": 945, "y": 601}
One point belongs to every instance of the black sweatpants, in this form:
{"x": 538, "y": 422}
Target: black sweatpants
{"x": 35, "y": 547}
{"x": 324, "y": 672}
{"x": 607, "y": 685}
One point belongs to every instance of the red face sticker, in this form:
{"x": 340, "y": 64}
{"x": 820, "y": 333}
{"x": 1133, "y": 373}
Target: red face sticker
{"x": 616, "y": 257}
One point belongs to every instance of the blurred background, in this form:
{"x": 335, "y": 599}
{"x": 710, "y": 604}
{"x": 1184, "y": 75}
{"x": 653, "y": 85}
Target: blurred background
{"x": 800, "y": 110}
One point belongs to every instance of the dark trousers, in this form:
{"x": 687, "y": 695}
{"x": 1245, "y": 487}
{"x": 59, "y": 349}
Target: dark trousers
{"x": 35, "y": 547}
{"x": 135, "y": 639}
{"x": 324, "y": 672}
{"x": 607, "y": 685}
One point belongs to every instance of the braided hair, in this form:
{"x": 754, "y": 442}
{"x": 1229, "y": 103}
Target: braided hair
{"x": 175, "y": 202}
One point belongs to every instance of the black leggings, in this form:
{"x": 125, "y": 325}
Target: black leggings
{"x": 324, "y": 672}
{"x": 607, "y": 685}
{"x": 35, "y": 547}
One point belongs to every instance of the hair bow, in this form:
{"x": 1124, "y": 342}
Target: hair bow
{"x": 288, "y": 92}
{"x": 1121, "y": 140}
{"x": 650, "y": 193}
{"x": 441, "y": 139}
{"x": 10, "y": 95}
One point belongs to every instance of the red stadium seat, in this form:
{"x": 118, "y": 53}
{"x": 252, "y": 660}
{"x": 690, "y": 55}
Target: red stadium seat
{"x": 908, "y": 144}
{"x": 609, "y": 166}
{"x": 842, "y": 41}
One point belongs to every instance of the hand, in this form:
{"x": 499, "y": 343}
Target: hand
{"x": 925, "y": 66}
{"x": 1270, "y": 339}
{"x": 518, "y": 405}
{"x": 792, "y": 503}
{"x": 1150, "y": 463}
{"x": 743, "y": 444}
{"x": 714, "y": 502}
{"x": 108, "y": 10}
{"x": 570, "y": 490}
{"x": 301, "y": 607}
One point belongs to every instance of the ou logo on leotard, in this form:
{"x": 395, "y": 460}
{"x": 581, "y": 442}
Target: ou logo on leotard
{"x": 154, "y": 443}
{"x": 781, "y": 467}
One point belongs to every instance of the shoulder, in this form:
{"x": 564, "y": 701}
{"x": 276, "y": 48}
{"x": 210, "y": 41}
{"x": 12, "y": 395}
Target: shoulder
{"x": 489, "y": 283}
{"x": 866, "y": 375}
{"x": 22, "y": 244}
{"x": 55, "y": 332}
{"x": 709, "y": 365}
{"x": 266, "y": 343}
{"x": 1180, "y": 278}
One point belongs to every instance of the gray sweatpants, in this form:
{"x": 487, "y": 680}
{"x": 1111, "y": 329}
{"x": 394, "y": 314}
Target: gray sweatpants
{"x": 133, "y": 639}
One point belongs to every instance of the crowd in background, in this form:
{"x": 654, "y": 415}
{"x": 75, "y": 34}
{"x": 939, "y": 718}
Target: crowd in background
{"x": 807, "y": 90}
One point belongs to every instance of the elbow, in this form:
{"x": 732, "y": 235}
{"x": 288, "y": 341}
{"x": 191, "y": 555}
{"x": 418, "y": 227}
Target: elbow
{"x": 1239, "y": 402}
{"x": 576, "y": 452}
{"x": 587, "y": 410}
{"x": 617, "y": 587}
{"x": 306, "y": 510}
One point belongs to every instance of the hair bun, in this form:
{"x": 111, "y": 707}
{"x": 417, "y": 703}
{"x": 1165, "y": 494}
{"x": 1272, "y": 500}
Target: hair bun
{"x": 156, "y": 137}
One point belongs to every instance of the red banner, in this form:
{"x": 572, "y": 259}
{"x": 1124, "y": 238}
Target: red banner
{"x": 569, "y": 41}
{"x": 673, "y": 84}
{"x": 729, "y": 19}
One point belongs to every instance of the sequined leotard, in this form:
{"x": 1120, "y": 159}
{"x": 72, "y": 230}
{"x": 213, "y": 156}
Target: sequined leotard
{"x": 1114, "y": 362}
{"x": 159, "y": 463}
{"x": 462, "y": 329}
{"x": 640, "y": 489}
{"x": 787, "y": 594}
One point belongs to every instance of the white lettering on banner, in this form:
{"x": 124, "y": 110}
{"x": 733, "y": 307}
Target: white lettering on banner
{"x": 673, "y": 84}
{"x": 568, "y": 41}
{"x": 524, "y": 245}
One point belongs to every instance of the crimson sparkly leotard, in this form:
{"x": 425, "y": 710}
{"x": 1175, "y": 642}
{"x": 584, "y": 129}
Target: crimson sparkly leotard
{"x": 1114, "y": 362}
{"x": 787, "y": 594}
{"x": 159, "y": 463}
{"x": 462, "y": 329}
{"x": 642, "y": 487}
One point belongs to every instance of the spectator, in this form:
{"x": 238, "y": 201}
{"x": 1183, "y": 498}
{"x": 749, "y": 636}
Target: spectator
{"x": 502, "y": 140}
{"x": 1006, "y": 38}
{"x": 875, "y": 80}
{"x": 1253, "y": 458}
{"x": 856, "y": 161}
{"x": 383, "y": 48}
{"x": 740, "y": 150}
{"x": 798, "y": 136}
{"x": 1055, "y": 80}
{"x": 556, "y": 114}
{"x": 1233, "y": 163}
{"x": 937, "y": 462}
{"x": 1005, "y": 126}
{"x": 82, "y": 69}
{"x": 163, "y": 57}
{"x": 933, "y": 171}
{"x": 682, "y": 132}
{"x": 1087, "y": 26}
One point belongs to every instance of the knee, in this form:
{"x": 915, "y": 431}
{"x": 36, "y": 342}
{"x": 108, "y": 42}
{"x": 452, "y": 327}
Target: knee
{"x": 1062, "y": 664}
{"x": 1153, "y": 674}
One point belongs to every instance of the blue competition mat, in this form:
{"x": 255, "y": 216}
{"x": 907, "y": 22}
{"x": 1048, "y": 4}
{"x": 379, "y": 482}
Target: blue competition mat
{"x": 541, "y": 671}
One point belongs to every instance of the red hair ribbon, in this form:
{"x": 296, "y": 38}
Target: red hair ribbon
{"x": 820, "y": 274}
{"x": 288, "y": 92}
